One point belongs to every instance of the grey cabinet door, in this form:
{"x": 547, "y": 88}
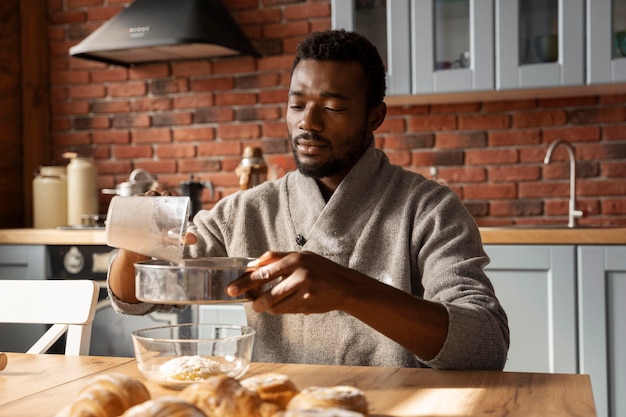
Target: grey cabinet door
{"x": 602, "y": 325}
{"x": 23, "y": 262}
{"x": 536, "y": 286}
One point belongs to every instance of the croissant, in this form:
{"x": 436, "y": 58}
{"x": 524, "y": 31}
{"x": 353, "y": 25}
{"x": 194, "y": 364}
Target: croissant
{"x": 167, "y": 406}
{"x": 222, "y": 396}
{"x": 272, "y": 387}
{"x": 108, "y": 395}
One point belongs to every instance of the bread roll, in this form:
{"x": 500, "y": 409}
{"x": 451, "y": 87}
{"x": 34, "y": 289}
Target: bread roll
{"x": 275, "y": 388}
{"x": 341, "y": 396}
{"x": 222, "y": 396}
{"x": 168, "y": 406}
{"x": 321, "y": 412}
{"x": 108, "y": 395}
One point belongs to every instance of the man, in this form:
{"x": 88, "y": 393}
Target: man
{"x": 379, "y": 266}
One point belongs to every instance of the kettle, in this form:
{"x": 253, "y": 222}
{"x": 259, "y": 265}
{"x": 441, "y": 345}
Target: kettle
{"x": 139, "y": 182}
{"x": 193, "y": 189}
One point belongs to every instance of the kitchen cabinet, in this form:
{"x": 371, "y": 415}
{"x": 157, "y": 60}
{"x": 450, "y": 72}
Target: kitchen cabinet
{"x": 537, "y": 287}
{"x": 539, "y": 43}
{"x": 606, "y": 41}
{"x": 22, "y": 262}
{"x": 445, "y": 46}
{"x": 602, "y": 330}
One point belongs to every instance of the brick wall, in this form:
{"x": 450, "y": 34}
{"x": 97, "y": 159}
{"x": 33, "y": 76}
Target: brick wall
{"x": 196, "y": 117}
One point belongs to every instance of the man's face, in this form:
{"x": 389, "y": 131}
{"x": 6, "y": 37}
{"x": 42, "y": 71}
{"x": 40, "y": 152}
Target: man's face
{"x": 327, "y": 120}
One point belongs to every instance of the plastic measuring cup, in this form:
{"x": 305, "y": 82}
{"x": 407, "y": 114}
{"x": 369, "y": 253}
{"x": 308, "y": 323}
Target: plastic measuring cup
{"x": 151, "y": 226}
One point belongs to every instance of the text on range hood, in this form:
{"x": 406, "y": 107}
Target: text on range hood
{"x": 165, "y": 30}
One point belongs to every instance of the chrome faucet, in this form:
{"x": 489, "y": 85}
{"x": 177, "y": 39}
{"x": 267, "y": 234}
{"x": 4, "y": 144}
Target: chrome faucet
{"x": 573, "y": 213}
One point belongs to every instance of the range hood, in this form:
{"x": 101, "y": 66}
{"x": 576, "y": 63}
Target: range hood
{"x": 150, "y": 31}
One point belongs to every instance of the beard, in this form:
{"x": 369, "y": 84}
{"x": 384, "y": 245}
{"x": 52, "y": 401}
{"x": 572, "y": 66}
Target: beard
{"x": 353, "y": 150}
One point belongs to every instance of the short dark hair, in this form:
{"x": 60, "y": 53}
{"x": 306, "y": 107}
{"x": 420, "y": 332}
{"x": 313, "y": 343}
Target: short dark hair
{"x": 345, "y": 46}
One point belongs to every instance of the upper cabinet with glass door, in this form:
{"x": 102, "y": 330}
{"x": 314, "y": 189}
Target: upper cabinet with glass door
{"x": 429, "y": 46}
{"x": 606, "y": 41}
{"x": 539, "y": 43}
{"x": 453, "y": 46}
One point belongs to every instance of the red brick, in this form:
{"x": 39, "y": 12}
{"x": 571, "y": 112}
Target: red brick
{"x": 213, "y": 115}
{"x": 392, "y": 125}
{"x": 114, "y": 167}
{"x": 109, "y": 74}
{"x": 110, "y": 107}
{"x": 171, "y": 119}
{"x": 212, "y": 84}
{"x": 491, "y": 157}
{"x": 66, "y": 139}
{"x": 149, "y": 71}
{"x": 233, "y": 99}
{"x": 601, "y": 151}
{"x": 142, "y": 120}
{"x": 573, "y": 134}
{"x": 187, "y": 68}
{"x": 567, "y": 101}
{"x": 111, "y": 136}
{"x": 239, "y": 131}
{"x": 514, "y": 138}
{"x": 507, "y": 106}
{"x": 192, "y": 101}
{"x": 471, "y": 107}
{"x": 151, "y": 104}
{"x": 61, "y": 124}
{"x": 93, "y": 122}
{"x": 616, "y": 132}
{"x": 489, "y": 191}
{"x": 259, "y": 16}
{"x": 69, "y": 77}
{"x": 437, "y": 158}
{"x": 460, "y": 140}
{"x": 175, "y": 151}
{"x": 274, "y": 130}
{"x": 595, "y": 187}
{"x": 429, "y": 122}
{"x": 516, "y": 208}
{"x": 234, "y": 66}
{"x": 102, "y": 14}
{"x": 193, "y": 134}
{"x": 461, "y": 174}
{"x": 199, "y": 165}
{"x": 509, "y": 173}
{"x": 598, "y": 115}
{"x": 151, "y": 136}
{"x": 220, "y": 148}
{"x": 613, "y": 169}
{"x": 614, "y": 206}
{"x": 306, "y": 11}
{"x": 409, "y": 141}
{"x": 283, "y": 30}
{"x": 539, "y": 118}
{"x": 132, "y": 151}
{"x": 169, "y": 86}
{"x": 262, "y": 80}
{"x": 543, "y": 189}
{"x": 484, "y": 121}
{"x": 273, "y": 96}
{"x": 157, "y": 167}
{"x": 62, "y": 18}
{"x": 247, "y": 114}
{"x": 127, "y": 89}
{"x": 76, "y": 107}
{"x": 86, "y": 91}
{"x": 273, "y": 63}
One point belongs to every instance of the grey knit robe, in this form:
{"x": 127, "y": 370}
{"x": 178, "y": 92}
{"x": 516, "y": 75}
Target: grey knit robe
{"x": 388, "y": 223}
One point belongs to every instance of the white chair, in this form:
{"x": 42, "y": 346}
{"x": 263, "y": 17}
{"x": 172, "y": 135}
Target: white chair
{"x": 69, "y": 305}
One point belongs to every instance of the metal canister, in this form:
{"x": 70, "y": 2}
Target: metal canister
{"x": 82, "y": 189}
{"x": 252, "y": 170}
{"x": 50, "y": 197}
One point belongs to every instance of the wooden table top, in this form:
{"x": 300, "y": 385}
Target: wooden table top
{"x": 41, "y": 385}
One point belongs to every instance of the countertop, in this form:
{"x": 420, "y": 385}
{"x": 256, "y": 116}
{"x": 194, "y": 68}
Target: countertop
{"x": 40, "y": 385}
{"x": 490, "y": 235}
